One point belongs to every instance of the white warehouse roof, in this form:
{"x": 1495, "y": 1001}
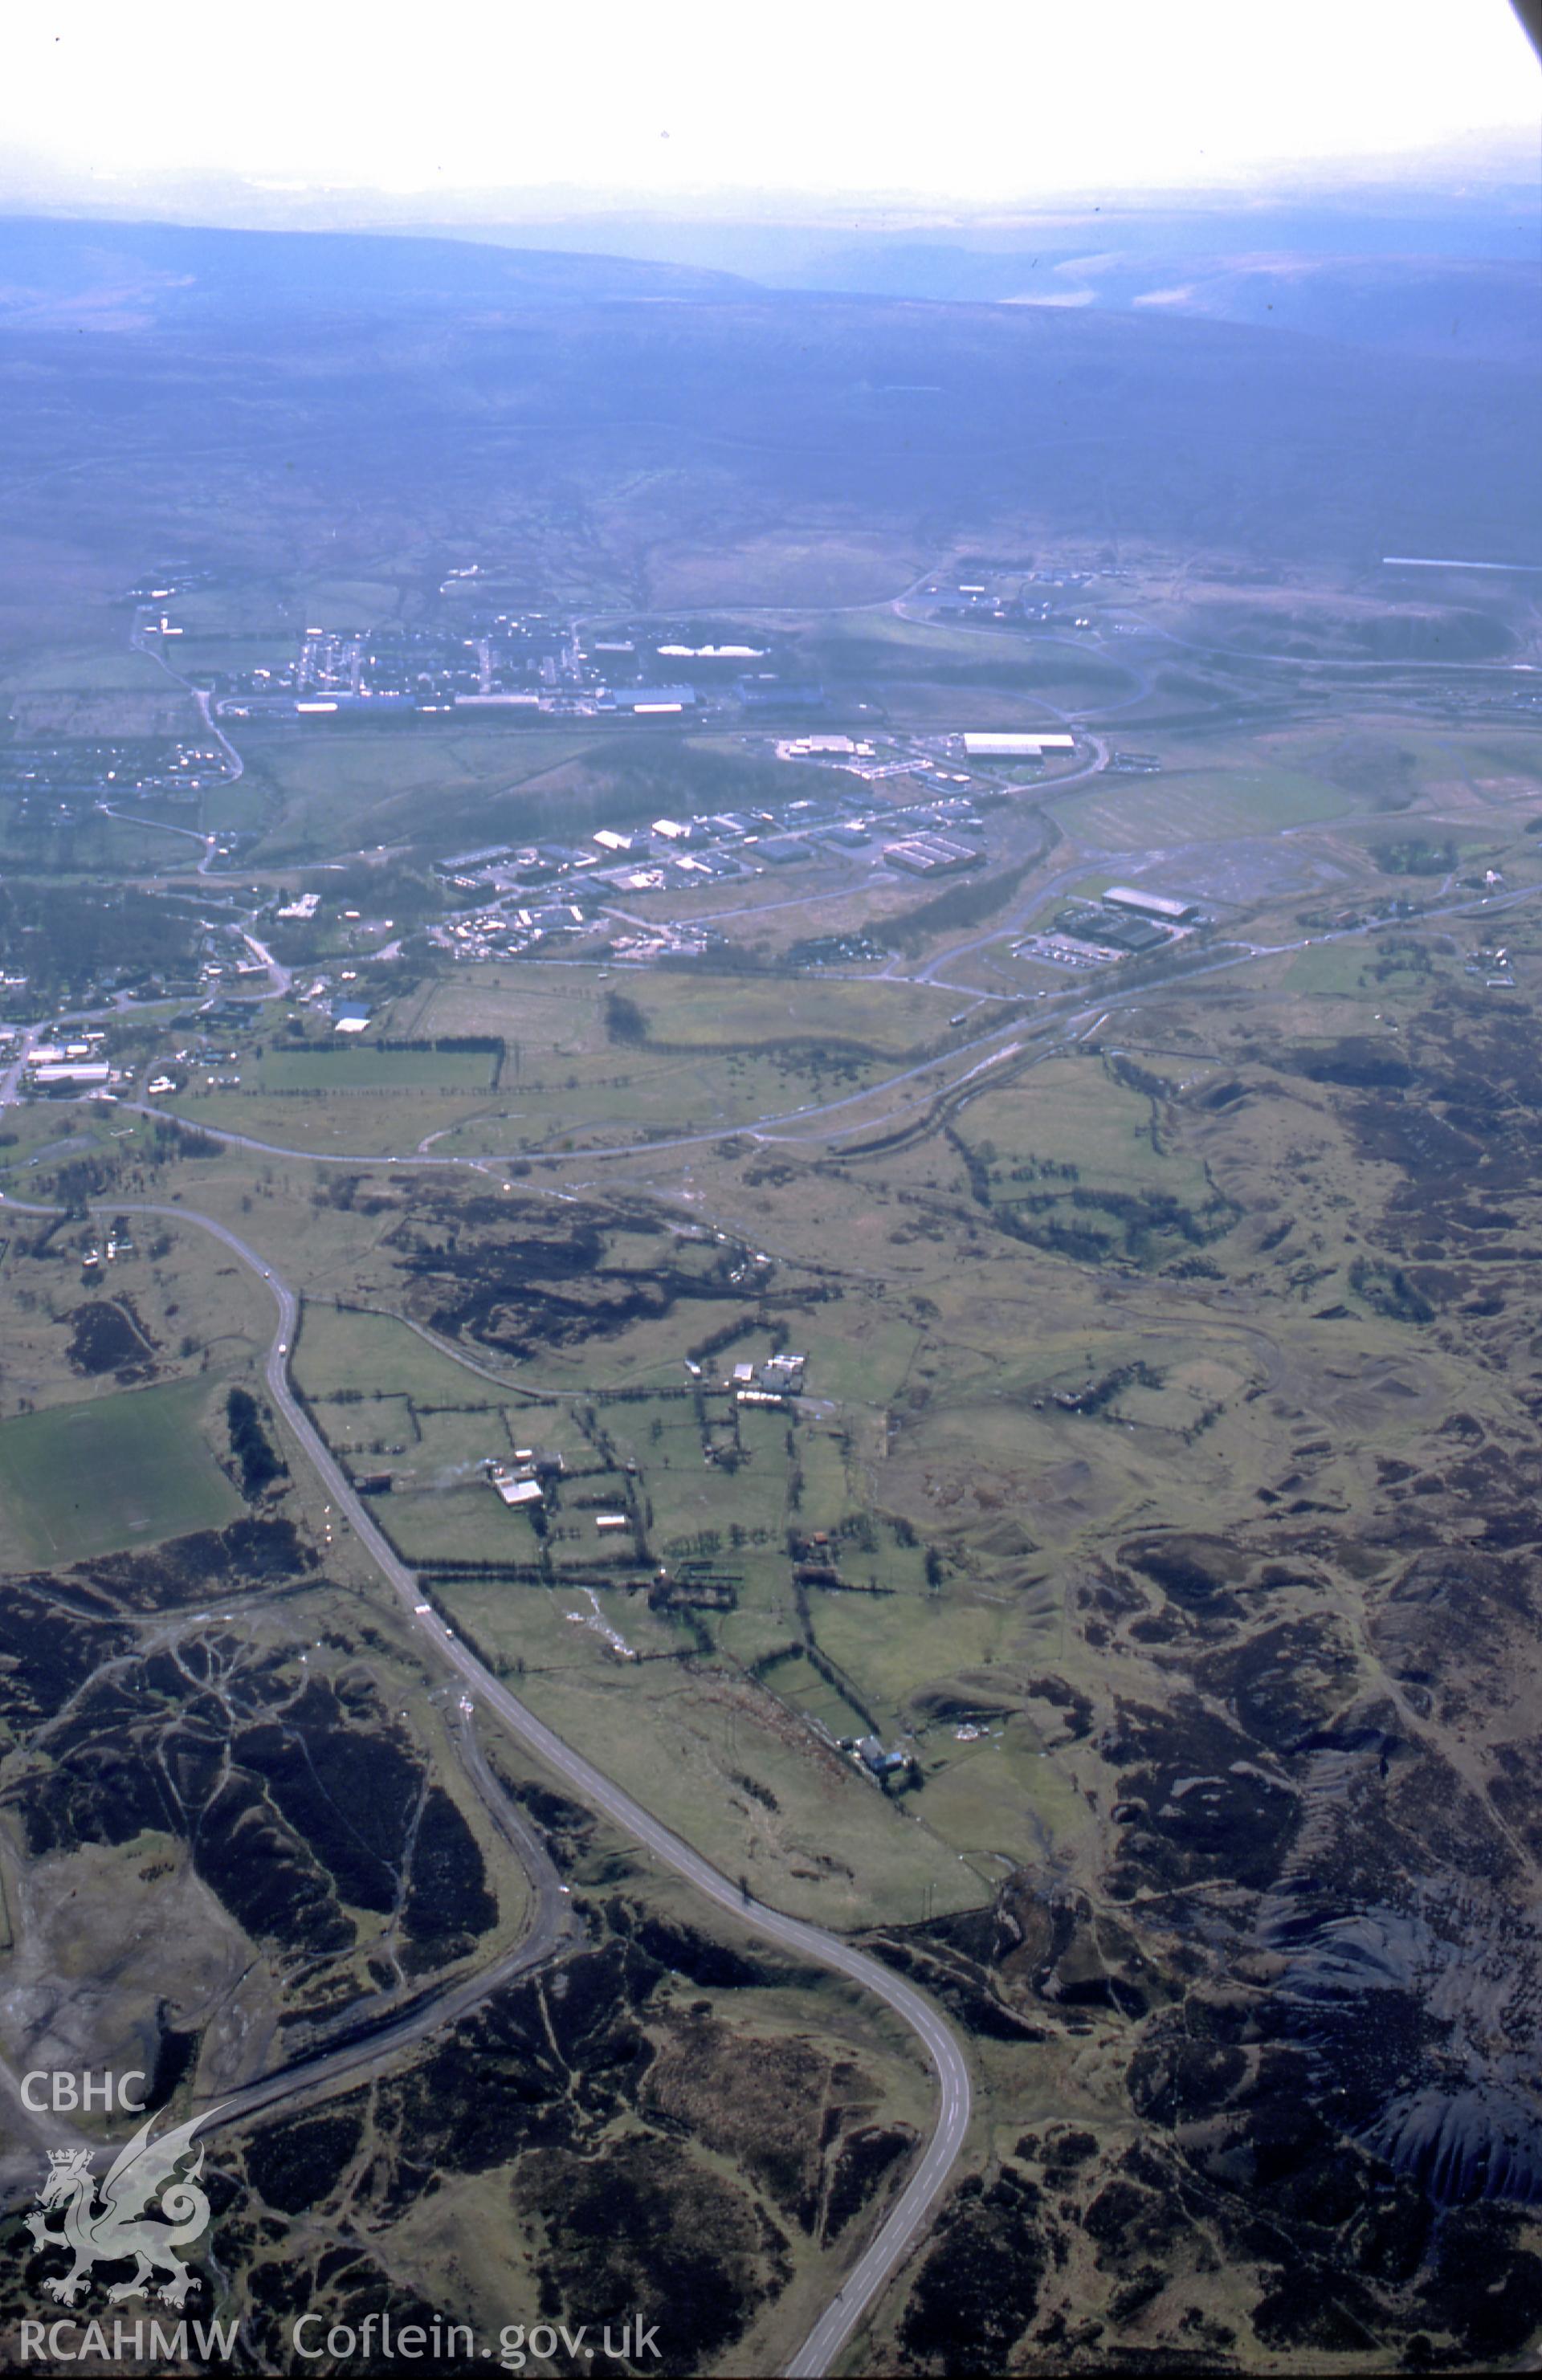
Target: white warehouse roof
{"x": 987, "y": 746}
{"x": 1149, "y": 905}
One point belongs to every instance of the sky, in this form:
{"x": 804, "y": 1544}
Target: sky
{"x": 703, "y": 102}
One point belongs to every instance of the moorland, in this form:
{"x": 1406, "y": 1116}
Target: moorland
{"x": 1121, "y": 1622}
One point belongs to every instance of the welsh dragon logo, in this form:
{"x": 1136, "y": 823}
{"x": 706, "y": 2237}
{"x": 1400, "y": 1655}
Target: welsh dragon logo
{"x": 107, "y": 2222}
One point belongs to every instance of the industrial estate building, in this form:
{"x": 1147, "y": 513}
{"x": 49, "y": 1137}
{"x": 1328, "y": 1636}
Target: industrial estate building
{"x": 1166, "y": 911}
{"x": 993, "y": 747}
{"x": 931, "y": 855}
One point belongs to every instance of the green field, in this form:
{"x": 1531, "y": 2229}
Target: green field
{"x": 1199, "y": 806}
{"x": 112, "y": 1473}
{"x": 882, "y": 646}
{"x": 96, "y": 845}
{"x": 368, "y": 783}
{"x": 345, "y": 1351}
{"x": 365, "y": 1067}
{"x": 1334, "y": 970}
{"x": 550, "y": 1009}
{"x": 811, "y": 1831}
{"x": 93, "y": 670}
{"x": 1069, "y": 1112}
{"x": 194, "y": 655}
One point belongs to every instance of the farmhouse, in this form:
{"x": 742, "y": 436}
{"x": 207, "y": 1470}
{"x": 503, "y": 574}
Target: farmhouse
{"x": 539, "y": 1461}
{"x": 519, "y": 1484}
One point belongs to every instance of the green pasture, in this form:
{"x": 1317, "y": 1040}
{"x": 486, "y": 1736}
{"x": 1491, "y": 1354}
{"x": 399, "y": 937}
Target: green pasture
{"x": 259, "y": 610}
{"x": 364, "y": 1066}
{"x": 1071, "y": 1111}
{"x": 344, "y": 604}
{"x": 335, "y": 787}
{"x": 688, "y": 1502}
{"x": 1495, "y": 762}
{"x": 1004, "y": 1804}
{"x": 464, "y": 1524}
{"x": 96, "y": 845}
{"x": 198, "y": 656}
{"x": 798, "y": 1682}
{"x": 554, "y": 1009}
{"x": 884, "y": 646}
{"x": 1330, "y": 969}
{"x": 895, "y": 1644}
{"x": 94, "y": 669}
{"x": 360, "y": 1424}
{"x": 447, "y": 1442}
{"x": 825, "y": 1843}
{"x": 378, "y": 1353}
{"x": 366, "y": 1121}
{"x": 234, "y": 809}
{"x": 1195, "y": 806}
{"x": 108, "y": 1474}
{"x": 545, "y": 1009}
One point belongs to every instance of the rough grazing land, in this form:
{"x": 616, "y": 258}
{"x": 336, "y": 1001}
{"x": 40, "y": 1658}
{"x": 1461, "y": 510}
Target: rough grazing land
{"x": 1160, "y": 1489}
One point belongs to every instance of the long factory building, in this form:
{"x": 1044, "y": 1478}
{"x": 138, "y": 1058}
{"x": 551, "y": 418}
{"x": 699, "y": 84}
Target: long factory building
{"x": 990, "y": 746}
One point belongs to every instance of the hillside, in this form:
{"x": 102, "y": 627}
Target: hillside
{"x": 253, "y": 389}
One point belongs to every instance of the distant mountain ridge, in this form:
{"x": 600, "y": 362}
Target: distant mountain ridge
{"x": 56, "y": 273}
{"x": 1458, "y": 276}
{"x": 1468, "y": 309}
{"x": 121, "y": 275}
{"x": 614, "y": 417}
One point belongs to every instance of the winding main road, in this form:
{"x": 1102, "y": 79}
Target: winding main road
{"x": 908, "y": 2217}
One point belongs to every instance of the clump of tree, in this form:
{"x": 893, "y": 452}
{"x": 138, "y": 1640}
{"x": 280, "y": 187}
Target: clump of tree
{"x": 61, "y": 937}
{"x": 970, "y": 904}
{"x": 170, "y": 1141}
{"x": 253, "y": 1448}
{"x": 81, "y": 1179}
{"x": 624, "y": 1021}
{"x": 1416, "y": 856}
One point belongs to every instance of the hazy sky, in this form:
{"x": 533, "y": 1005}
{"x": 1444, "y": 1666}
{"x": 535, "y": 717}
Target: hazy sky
{"x": 977, "y": 102}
